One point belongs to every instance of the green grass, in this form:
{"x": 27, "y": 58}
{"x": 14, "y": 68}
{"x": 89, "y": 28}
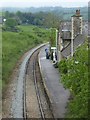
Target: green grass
{"x": 16, "y": 44}
{"x": 74, "y": 73}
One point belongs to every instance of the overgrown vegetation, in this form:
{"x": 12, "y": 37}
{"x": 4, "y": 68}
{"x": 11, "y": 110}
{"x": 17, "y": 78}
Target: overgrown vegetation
{"x": 53, "y": 37}
{"x": 15, "y": 44}
{"x": 74, "y": 74}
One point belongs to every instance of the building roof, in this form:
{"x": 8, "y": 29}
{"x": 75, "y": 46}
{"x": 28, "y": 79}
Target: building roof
{"x": 76, "y": 16}
{"x": 66, "y": 30}
{"x": 77, "y": 41}
{"x": 65, "y": 26}
{"x": 66, "y": 35}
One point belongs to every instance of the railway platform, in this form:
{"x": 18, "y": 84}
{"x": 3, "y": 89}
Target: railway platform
{"x": 58, "y": 95}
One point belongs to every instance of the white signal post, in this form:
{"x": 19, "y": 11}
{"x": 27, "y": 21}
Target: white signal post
{"x": 56, "y": 43}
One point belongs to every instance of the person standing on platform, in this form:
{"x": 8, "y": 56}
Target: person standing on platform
{"x": 47, "y": 53}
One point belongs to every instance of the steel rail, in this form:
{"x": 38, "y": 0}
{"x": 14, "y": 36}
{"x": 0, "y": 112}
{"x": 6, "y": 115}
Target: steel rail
{"x": 24, "y": 101}
{"x": 37, "y": 91}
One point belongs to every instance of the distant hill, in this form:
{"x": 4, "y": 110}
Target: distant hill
{"x": 64, "y": 13}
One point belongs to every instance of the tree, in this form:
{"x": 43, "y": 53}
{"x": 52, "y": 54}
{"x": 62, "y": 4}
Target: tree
{"x": 9, "y": 15}
{"x": 10, "y": 22}
{"x": 10, "y": 25}
{"x": 52, "y": 20}
{"x": 53, "y": 37}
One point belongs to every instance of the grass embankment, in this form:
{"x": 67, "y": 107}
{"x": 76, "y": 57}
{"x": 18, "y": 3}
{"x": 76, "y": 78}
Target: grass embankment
{"x": 15, "y": 44}
{"x": 74, "y": 73}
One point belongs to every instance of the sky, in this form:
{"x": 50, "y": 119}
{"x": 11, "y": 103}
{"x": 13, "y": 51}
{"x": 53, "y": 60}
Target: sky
{"x": 43, "y": 3}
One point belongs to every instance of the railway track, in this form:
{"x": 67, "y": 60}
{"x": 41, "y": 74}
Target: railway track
{"x": 33, "y": 72}
{"x": 37, "y": 90}
{"x": 30, "y": 100}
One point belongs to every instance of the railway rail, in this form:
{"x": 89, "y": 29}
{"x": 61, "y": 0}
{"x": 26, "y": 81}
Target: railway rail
{"x": 37, "y": 91}
{"x": 30, "y": 100}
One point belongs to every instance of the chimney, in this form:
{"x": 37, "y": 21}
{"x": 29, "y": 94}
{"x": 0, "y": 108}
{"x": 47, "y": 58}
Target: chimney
{"x": 77, "y": 12}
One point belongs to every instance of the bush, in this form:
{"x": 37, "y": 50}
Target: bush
{"x": 63, "y": 66}
{"x": 74, "y": 73}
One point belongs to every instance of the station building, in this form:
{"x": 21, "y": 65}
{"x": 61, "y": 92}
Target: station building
{"x": 70, "y": 36}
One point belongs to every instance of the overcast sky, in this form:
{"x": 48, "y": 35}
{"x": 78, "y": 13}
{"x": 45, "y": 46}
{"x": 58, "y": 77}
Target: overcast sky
{"x": 43, "y": 3}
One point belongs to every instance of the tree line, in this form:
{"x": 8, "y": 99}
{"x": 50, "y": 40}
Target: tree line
{"x": 44, "y": 19}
